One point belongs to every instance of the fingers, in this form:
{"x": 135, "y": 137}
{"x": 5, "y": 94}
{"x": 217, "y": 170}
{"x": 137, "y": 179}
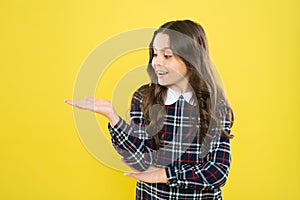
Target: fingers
{"x": 71, "y": 102}
{"x": 154, "y": 176}
{"x": 96, "y": 105}
{"x": 143, "y": 176}
{"x": 139, "y": 175}
{"x": 80, "y": 104}
{"x": 68, "y": 101}
{"x": 135, "y": 175}
{"x": 149, "y": 177}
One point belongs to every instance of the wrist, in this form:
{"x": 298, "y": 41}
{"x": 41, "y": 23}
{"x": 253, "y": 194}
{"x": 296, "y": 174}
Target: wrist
{"x": 113, "y": 119}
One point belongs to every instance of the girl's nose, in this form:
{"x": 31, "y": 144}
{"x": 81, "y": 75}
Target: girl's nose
{"x": 157, "y": 61}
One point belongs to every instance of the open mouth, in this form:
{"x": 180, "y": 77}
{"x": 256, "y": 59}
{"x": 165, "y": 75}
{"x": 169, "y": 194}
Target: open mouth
{"x": 161, "y": 73}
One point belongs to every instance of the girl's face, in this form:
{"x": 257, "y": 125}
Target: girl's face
{"x": 171, "y": 71}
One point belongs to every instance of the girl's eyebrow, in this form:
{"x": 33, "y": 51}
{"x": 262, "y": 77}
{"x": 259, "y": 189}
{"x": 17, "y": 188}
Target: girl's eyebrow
{"x": 164, "y": 48}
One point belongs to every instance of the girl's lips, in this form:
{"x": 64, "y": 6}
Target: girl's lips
{"x": 161, "y": 73}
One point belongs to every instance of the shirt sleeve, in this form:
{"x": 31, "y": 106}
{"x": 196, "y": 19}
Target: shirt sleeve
{"x": 132, "y": 141}
{"x": 214, "y": 169}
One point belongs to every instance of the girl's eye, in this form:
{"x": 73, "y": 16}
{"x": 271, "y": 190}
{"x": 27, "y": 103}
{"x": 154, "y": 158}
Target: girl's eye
{"x": 168, "y": 56}
{"x": 154, "y": 55}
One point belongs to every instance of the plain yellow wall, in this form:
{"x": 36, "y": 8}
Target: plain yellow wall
{"x": 255, "y": 45}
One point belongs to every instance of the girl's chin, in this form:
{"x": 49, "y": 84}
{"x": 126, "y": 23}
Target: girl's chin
{"x": 162, "y": 83}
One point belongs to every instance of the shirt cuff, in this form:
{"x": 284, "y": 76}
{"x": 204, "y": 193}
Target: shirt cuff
{"x": 116, "y": 125}
{"x": 119, "y": 129}
{"x": 172, "y": 177}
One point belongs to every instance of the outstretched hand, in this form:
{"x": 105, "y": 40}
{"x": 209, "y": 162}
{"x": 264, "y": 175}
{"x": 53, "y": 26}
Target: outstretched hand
{"x": 101, "y": 106}
{"x": 104, "y": 107}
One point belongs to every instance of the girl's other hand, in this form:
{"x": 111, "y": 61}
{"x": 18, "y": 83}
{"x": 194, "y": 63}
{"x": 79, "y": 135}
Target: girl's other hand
{"x": 100, "y": 106}
{"x": 151, "y": 175}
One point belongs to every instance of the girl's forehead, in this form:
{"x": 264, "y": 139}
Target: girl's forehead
{"x": 161, "y": 41}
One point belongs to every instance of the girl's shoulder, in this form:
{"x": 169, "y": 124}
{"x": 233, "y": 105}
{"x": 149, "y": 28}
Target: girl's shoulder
{"x": 142, "y": 91}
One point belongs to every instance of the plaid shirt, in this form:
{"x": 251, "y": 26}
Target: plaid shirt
{"x": 191, "y": 173}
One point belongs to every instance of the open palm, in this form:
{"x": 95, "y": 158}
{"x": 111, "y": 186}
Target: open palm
{"x": 101, "y": 106}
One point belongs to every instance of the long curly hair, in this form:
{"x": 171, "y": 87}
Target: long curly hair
{"x": 188, "y": 42}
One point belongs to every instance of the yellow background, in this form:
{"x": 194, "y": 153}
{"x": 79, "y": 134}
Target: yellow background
{"x": 255, "y": 45}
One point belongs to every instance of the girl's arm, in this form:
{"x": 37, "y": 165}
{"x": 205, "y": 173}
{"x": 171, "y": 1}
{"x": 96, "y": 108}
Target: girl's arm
{"x": 132, "y": 141}
{"x": 207, "y": 175}
{"x": 211, "y": 173}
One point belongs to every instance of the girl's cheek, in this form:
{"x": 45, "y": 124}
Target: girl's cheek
{"x": 152, "y": 64}
{"x": 167, "y": 65}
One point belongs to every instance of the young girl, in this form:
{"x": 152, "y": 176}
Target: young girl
{"x": 178, "y": 137}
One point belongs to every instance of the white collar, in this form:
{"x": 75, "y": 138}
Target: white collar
{"x": 173, "y": 96}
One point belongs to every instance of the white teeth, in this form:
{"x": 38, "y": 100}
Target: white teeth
{"x": 161, "y": 73}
